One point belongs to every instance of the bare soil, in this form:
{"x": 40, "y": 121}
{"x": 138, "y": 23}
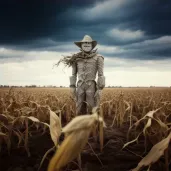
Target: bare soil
{"x": 113, "y": 158}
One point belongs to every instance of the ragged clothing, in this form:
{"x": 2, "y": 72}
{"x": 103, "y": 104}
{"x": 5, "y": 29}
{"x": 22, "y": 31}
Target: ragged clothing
{"x": 86, "y": 67}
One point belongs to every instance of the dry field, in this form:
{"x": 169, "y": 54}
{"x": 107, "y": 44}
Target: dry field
{"x": 130, "y": 131}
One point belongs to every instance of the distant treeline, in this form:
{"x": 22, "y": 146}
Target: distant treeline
{"x": 30, "y": 86}
{"x": 52, "y": 86}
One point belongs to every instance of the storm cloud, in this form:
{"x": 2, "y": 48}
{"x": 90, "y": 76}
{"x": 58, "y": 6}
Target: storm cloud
{"x": 132, "y": 35}
{"x": 51, "y": 25}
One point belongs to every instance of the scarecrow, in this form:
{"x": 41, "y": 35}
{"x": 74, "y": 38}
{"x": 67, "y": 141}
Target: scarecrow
{"x": 85, "y": 90}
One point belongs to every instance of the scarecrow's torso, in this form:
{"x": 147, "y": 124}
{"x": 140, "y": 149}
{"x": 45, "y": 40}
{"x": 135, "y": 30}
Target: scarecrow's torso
{"x": 87, "y": 68}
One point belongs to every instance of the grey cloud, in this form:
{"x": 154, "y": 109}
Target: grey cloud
{"x": 55, "y": 25}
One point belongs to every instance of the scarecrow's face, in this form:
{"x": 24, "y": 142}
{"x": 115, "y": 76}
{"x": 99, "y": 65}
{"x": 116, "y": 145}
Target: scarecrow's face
{"x": 86, "y": 46}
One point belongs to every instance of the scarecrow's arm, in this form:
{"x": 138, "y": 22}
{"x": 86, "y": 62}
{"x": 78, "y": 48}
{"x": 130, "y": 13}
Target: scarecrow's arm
{"x": 101, "y": 77}
{"x": 73, "y": 78}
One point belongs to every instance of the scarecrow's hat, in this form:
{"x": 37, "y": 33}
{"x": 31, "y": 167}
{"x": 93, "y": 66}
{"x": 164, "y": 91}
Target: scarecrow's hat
{"x": 87, "y": 38}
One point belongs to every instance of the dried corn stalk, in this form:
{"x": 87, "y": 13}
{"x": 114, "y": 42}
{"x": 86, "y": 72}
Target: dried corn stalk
{"x": 77, "y": 133}
{"x": 155, "y": 153}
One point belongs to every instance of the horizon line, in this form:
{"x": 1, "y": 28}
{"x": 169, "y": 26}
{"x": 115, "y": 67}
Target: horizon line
{"x": 61, "y": 86}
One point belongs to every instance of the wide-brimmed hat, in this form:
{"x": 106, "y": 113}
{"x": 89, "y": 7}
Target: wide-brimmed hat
{"x": 87, "y": 38}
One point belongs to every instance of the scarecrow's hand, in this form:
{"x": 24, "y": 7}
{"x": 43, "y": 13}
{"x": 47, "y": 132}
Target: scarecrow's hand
{"x": 73, "y": 78}
{"x": 101, "y": 77}
{"x": 97, "y": 97}
{"x": 98, "y": 93}
{"x": 73, "y": 93}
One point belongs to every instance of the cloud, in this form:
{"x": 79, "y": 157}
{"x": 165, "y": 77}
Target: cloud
{"x": 45, "y": 24}
{"x": 152, "y": 49}
{"x": 10, "y": 55}
{"x": 117, "y": 71}
{"x": 131, "y": 34}
{"x": 103, "y": 9}
{"x": 114, "y": 64}
{"x": 138, "y": 78}
{"x": 22, "y": 73}
{"x": 110, "y": 49}
{"x": 155, "y": 43}
{"x": 125, "y": 35}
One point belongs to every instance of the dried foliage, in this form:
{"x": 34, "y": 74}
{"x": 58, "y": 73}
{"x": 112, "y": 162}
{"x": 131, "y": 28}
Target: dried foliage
{"x": 155, "y": 153}
{"x": 147, "y": 111}
{"x": 77, "y": 132}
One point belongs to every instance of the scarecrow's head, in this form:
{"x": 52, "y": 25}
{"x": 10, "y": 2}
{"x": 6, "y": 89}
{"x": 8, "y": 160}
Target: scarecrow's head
{"x": 87, "y": 44}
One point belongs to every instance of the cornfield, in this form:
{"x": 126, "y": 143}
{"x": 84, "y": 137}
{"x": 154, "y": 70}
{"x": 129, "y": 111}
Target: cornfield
{"x": 39, "y": 130}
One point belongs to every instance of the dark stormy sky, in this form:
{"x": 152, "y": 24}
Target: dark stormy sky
{"x": 134, "y": 36}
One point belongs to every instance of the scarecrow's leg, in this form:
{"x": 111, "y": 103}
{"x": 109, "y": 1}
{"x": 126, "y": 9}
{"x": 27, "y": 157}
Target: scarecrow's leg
{"x": 80, "y": 105}
{"x": 90, "y": 92}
